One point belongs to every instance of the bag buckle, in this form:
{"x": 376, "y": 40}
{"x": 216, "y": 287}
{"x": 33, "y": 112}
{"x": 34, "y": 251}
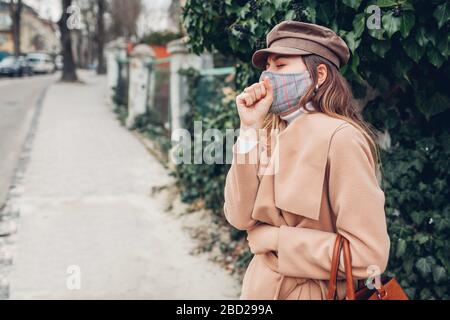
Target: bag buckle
{"x": 381, "y": 293}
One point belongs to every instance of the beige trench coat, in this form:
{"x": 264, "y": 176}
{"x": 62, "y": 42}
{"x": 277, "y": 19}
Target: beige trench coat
{"x": 322, "y": 181}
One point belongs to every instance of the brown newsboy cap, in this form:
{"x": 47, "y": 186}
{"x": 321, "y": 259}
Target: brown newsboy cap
{"x": 301, "y": 38}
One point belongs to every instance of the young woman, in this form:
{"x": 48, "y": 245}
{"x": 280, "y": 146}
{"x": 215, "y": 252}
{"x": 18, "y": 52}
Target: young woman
{"x": 318, "y": 177}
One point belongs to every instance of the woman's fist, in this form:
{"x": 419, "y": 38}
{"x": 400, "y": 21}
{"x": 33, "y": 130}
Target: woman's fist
{"x": 254, "y": 103}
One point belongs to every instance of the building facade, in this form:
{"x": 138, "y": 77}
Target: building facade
{"x": 36, "y": 34}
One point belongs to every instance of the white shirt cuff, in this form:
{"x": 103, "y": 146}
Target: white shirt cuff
{"x": 244, "y": 146}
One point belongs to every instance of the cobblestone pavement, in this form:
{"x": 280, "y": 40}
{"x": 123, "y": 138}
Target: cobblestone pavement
{"x": 87, "y": 225}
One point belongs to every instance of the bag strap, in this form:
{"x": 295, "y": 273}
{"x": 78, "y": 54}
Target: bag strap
{"x": 348, "y": 270}
{"x": 339, "y": 244}
{"x": 334, "y": 268}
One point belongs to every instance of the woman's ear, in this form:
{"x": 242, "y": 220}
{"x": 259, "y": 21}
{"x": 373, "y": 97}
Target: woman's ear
{"x": 322, "y": 73}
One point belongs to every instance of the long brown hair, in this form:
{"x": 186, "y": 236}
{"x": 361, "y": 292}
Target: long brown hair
{"x": 334, "y": 98}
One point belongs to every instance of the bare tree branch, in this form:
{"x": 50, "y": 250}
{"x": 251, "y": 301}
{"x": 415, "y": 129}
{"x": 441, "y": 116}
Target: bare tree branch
{"x": 124, "y": 14}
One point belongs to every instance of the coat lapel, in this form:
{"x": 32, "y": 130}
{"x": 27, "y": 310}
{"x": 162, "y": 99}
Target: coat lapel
{"x": 300, "y": 163}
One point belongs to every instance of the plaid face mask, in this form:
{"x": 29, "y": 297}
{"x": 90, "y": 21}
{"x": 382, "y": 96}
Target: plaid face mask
{"x": 288, "y": 89}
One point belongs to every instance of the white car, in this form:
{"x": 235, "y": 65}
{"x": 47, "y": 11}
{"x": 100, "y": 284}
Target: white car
{"x": 59, "y": 62}
{"x": 41, "y": 63}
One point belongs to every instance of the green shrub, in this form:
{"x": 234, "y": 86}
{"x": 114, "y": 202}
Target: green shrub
{"x": 216, "y": 109}
{"x": 151, "y": 124}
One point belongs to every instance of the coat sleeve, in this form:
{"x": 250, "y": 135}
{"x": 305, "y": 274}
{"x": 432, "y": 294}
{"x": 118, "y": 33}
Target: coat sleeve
{"x": 242, "y": 183}
{"x": 358, "y": 202}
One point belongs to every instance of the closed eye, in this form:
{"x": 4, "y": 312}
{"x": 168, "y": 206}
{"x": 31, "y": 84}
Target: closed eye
{"x": 278, "y": 66}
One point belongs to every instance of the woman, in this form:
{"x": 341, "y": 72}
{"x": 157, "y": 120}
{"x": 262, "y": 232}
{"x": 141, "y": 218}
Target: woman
{"x": 318, "y": 177}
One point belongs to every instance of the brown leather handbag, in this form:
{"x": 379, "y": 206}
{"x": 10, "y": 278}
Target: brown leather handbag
{"x": 388, "y": 290}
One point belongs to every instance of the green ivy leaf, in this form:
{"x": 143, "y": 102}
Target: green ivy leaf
{"x": 438, "y": 104}
{"x": 352, "y": 3}
{"x": 421, "y": 37}
{"x": 429, "y": 107}
{"x": 278, "y": 3}
{"x": 352, "y": 41}
{"x": 253, "y": 25}
{"x": 413, "y": 51}
{"x": 267, "y": 14}
{"x": 425, "y": 294}
{"x": 385, "y": 3}
{"x": 442, "y": 45}
{"x": 380, "y": 47}
{"x": 423, "y": 266}
{"x": 439, "y": 274}
{"x": 310, "y": 14}
{"x": 229, "y": 9}
{"x": 442, "y": 14}
{"x": 417, "y": 217}
{"x": 325, "y": 12}
{"x": 406, "y": 6}
{"x": 355, "y": 63}
{"x": 377, "y": 33}
{"x": 359, "y": 24}
{"x": 233, "y": 43}
{"x": 401, "y": 248}
{"x": 408, "y": 264}
{"x": 435, "y": 58}
{"x": 390, "y": 23}
{"x": 244, "y": 10}
{"x": 401, "y": 67}
{"x": 290, "y": 15}
{"x": 407, "y": 22}
{"x": 421, "y": 238}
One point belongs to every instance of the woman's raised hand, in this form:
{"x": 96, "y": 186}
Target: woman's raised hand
{"x": 254, "y": 103}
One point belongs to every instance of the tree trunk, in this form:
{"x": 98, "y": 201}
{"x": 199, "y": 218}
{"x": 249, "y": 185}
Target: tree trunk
{"x": 101, "y": 68}
{"x": 15, "y": 10}
{"x": 69, "y": 68}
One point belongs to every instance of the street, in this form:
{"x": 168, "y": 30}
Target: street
{"x": 88, "y": 226}
{"x": 18, "y": 100}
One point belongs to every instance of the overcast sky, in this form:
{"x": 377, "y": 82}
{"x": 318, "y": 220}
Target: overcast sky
{"x": 46, "y": 8}
{"x": 154, "y": 15}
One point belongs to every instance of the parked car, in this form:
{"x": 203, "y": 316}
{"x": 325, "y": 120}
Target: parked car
{"x": 4, "y": 54}
{"x": 15, "y": 67}
{"x": 59, "y": 62}
{"x": 92, "y": 66}
{"x": 41, "y": 63}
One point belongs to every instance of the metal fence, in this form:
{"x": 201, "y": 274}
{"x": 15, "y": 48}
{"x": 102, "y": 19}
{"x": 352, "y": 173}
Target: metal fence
{"x": 161, "y": 102}
{"x": 121, "y": 89}
{"x": 158, "y": 109}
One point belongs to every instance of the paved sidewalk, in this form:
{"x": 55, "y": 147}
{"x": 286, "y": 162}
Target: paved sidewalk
{"x": 18, "y": 103}
{"x": 85, "y": 202}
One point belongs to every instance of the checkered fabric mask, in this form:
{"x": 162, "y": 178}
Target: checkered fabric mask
{"x": 288, "y": 89}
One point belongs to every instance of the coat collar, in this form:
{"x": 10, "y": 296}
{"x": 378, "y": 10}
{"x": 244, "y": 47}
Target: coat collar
{"x": 301, "y": 153}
